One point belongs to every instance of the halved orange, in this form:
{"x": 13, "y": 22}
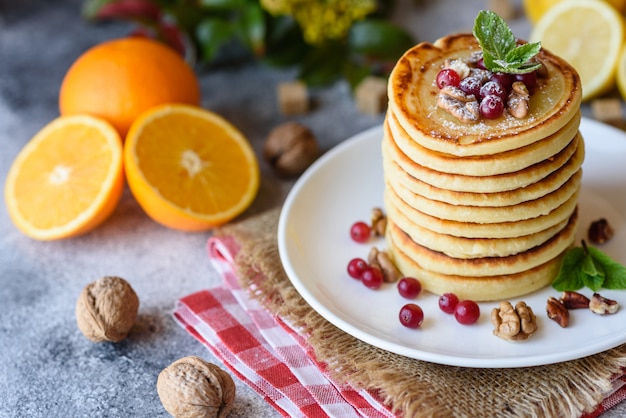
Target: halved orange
{"x": 67, "y": 179}
{"x": 189, "y": 168}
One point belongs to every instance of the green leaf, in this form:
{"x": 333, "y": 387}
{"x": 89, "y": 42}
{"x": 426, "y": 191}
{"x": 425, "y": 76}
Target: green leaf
{"x": 223, "y": 4}
{"x": 615, "y": 273}
{"x": 212, "y": 34}
{"x": 378, "y": 38}
{"x": 493, "y": 34}
{"x": 324, "y": 65}
{"x": 285, "y": 45}
{"x": 500, "y": 50}
{"x": 592, "y": 273}
{"x": 522, "y": 53}
{"x": 252, "y": 24}
{"x": 569, "y": 277}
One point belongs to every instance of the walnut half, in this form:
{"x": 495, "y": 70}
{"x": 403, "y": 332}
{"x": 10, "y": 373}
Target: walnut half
{"x": 513, "y": 324}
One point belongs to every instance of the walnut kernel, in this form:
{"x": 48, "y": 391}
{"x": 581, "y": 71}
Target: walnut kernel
{"x": 290, "y": 149}
{"x": 192, "y": 387}
{"x": 513, "y": 324}
{"x": 107, "y": 309}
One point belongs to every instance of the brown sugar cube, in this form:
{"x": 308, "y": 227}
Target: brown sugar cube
{"x": 293, "y": 98}
{"x": 504, "y": 8}
{"x": 371, "y": 95}
{"x": 609, "y": 109}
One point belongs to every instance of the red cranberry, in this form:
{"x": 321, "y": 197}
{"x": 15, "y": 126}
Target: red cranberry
{"x": 372, "y": 278}
{"x": 471, "y": 85}
{"x": 467, "y": 312}
{"x": 409, "y": 287}
{"x": 530, "y": 79}
{"x": 493, "y": 88}
{"x": 448, "y": 77}
{"x": 356, "y": 267}
{"x": 447, "y": 302}
{"x": 360, "y": 232}
{"x": 504, "y": 79}
{"x": 411, "y": 315}
{"x": 481, "y": 63}
{"x": 491, "y": 107}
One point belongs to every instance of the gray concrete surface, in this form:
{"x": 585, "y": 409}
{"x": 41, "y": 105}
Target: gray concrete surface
{"x": 47, "y": 368}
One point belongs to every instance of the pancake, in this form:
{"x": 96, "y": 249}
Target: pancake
{"x": 477, "y": 184}
{"x": 491, "y": 214}
{"x": 484, "y": 208}
{"x": 413, "y": 96}
{"x": 398, "y": 177}
{"x": 461, "y": 247}
{"x": 479, "y": 289}
{"x": 438, "y": 262}
{"x": 477, "y": 230}
{"x": 484, "y": 165}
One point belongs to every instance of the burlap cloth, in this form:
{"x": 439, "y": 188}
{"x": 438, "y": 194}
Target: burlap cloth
{"x": 413, "y": 387}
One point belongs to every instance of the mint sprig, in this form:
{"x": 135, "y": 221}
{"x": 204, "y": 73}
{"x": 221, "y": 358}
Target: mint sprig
{"x": 501, "y": 53}
{"x": 589, "y": 267}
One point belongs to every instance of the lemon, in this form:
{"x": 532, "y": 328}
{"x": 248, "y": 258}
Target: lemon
{"x": 621, "y": 72}
{"x": 535, "y": 9}
{"x": 589, "y": 35}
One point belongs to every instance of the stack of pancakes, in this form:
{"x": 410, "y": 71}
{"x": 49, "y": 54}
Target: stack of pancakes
{"x": 485, "y": 210}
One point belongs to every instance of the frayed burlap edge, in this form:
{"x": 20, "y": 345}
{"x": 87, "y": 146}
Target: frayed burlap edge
{"x": 412, "y": 387}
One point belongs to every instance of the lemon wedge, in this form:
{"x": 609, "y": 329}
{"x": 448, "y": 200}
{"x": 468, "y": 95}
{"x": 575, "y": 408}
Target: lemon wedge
{"x": 589, "y": 35}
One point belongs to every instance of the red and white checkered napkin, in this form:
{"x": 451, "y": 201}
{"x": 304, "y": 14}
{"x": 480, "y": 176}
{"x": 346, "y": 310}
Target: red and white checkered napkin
{"x": 274, "y": 359}
{"x": 264, "y": 351}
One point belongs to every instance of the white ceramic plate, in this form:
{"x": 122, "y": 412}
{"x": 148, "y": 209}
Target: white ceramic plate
{"x": 347, "y": 182}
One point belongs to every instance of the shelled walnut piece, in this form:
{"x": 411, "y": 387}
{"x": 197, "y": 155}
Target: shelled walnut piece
{"x": 378, "y": 222}
{"x": 382, "y": 261}
{"x": 192, "y": 387}
{"x": 107, "y": 309}
{"x": 513, "y": 324}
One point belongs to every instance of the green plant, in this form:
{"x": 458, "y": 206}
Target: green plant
{"x": 326, "y": 40}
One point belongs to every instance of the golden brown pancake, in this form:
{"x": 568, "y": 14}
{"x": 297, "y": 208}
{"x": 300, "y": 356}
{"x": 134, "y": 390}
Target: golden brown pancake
{"x": 478, "y": 184}
{"x": 399, "y": 177}
{"x": 484, "y": 165}
{"x": 413, "y": 95}
{"x": 439, "y": 262}
{"x": 461, "y": 247}
{"x": 492, "y": 214}
{"x": 485, "y": 209}
{"x": 477, "y": 230}
{"x": 486, "y": 288}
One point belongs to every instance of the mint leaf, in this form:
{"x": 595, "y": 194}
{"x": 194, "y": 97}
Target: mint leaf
{"x": 500, "y": 50}
{"x": 493, "y": 34}
{"x": 615, "y": 273}
{"x": 592, "y": 273}
{"x": 569, "y": 277}
{"x": 589, "y": 267}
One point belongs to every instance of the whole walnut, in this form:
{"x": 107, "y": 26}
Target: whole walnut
{"x": 192, "y": 387}
{"x": 107, "y": 309}
{"x": 290, "y": 149}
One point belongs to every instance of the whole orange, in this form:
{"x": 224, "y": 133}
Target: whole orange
{"x": 120, "y": 79}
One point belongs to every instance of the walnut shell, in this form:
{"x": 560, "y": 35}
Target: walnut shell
{"x": 290, "y": 149}
{"x": 191, "y": 387}
{"x": 107, "y": 309}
